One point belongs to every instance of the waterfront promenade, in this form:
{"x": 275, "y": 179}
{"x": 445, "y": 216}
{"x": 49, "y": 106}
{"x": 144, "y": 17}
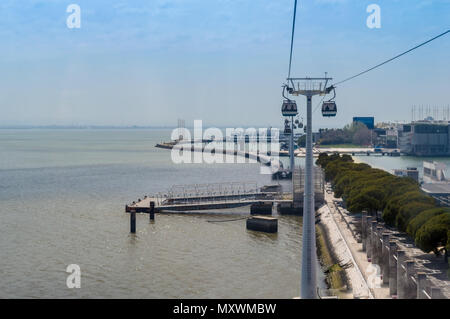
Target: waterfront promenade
{"x": 361, "y": 275}
{"x": 382, "y": 273}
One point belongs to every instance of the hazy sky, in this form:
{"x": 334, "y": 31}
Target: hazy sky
{"x": 150, "y": 62}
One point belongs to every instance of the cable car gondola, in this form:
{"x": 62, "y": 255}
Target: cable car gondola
{"x": 289, "y": 108}
{"x": 287, "y": 129}
{"x": 329, "y": 109}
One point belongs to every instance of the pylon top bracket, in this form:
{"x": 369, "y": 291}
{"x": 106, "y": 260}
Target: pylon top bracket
{"x": 309, "y": 86}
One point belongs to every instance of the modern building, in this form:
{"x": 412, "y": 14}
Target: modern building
{"x": 385, "y": 137}
{"x": 434, "y": 172}
{"x": 424, "y": 138}
{"x": 435, "y": 183}
{"x": 411, "y": 172}
{"x": 368, "y": 121}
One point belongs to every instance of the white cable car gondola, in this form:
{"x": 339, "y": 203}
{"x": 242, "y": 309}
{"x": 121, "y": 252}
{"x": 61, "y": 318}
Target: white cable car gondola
{"x": 329, "y": 109}
{"x": 287, "y": 128}
{"x": 289, "y": 108}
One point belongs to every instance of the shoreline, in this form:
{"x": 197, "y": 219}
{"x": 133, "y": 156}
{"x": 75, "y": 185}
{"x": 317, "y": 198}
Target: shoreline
{"x": 335, "y": 277}
{"x": 346, "y": 261}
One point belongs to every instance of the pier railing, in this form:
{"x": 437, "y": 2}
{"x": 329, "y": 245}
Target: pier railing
{"x": 211, "y": 193}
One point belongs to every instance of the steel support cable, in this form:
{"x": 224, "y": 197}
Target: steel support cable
{"x": 292, "y": 38}
{"x": 394, "y": 58}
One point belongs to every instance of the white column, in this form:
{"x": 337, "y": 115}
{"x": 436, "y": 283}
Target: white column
{"x": 291, "y": 155}
{"x": 309, "y": 280}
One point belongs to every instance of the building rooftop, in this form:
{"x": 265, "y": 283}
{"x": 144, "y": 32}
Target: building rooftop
{"x": 437, "y": 188}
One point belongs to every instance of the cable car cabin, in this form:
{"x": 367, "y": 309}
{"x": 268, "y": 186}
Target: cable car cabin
{"x": 329, "y": 109}
{"x": 287, "y": 130}
{"x": 289, "y": 108}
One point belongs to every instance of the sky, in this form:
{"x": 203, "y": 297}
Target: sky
{"x": 151, "y": 62}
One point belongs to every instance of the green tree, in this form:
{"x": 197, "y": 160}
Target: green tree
{"x": 434, "y": 234}
{"x": 301, "y": 142}
{"x": 403, "y": 203}
{"x": 395, "y": 203}
{"x": 369, "y": 198}
{"x": 422, "y": 218}
{"x": 409, "y": 211}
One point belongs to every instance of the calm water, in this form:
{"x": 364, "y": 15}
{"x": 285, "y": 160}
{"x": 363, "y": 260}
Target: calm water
{"x": 402, "y": 162}
{"x": 62, "y": 199}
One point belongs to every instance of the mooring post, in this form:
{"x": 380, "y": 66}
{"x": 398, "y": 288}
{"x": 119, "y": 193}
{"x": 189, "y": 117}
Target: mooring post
{"x": 133, "y": 221}
{"x": 152, "y": 210}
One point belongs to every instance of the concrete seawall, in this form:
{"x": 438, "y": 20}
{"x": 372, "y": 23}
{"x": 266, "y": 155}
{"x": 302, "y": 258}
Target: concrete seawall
{"x": 357, "y": 286}
{"x": 392, "y": 267}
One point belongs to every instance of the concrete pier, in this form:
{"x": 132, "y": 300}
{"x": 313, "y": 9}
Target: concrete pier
{"x": 369, "y": 238}
{"x": 407, "y": 272}
{"x": 373, "y": 242}
{"x": 288, "y": 208}
{"x": 436, "y": 293}
{"x": 133, "y": 222}
{"x": 263, "y": 224}
{"x": 261, "y": 208}
{"x": 401, "y": 278}
{"x": 364, "y": 230}
{"x": 421, "y": 285}
{"x": 410, "y": 281}
{"x": 393, "y": 268}
{"x": 379, "y": 244}
{"x": 385, "y": 258}
{"x": 152, "y": 211}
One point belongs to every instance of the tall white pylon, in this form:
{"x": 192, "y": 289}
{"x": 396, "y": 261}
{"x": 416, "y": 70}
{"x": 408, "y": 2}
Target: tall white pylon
{"x": 309, "y": 87}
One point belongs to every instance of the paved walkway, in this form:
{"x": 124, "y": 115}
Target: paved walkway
{"x": 364, "y": 278}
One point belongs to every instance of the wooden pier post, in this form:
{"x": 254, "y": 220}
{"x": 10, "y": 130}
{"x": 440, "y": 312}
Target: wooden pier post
{"x": 133, "y": 221}
{"x": 152, "y": 210}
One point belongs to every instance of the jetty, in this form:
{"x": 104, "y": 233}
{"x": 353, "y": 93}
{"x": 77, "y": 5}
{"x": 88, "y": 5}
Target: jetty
{"x": 348, "y": 151}
{"x": 201, "y": 197}
{"x": 187, "y": 146}
{"x": 266, "y": 159}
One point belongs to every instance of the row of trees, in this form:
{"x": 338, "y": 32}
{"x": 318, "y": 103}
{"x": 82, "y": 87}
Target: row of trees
{"x": 356, "y": 133}
{"x": 404, "y": 205}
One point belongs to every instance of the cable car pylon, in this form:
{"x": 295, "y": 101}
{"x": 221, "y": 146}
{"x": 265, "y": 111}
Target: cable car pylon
{"x": 310, "y": 87}
{"x": 289, "y": 109}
